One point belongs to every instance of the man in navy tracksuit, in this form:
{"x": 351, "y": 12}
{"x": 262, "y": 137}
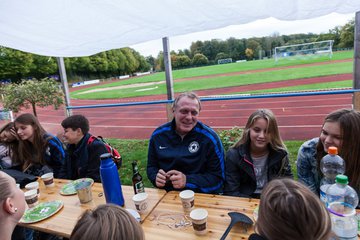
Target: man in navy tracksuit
{"x": 185, "y": 153}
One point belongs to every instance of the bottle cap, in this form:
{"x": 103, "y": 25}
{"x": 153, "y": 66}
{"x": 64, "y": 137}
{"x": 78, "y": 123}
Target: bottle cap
{"x": 105, "y": 156}
{"x": 342, "y": 179}
{"x": 332, "y": 150}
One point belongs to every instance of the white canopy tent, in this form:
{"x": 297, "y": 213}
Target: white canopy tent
{"x": 69, "y": 28}
{"x": 72, "y": 28}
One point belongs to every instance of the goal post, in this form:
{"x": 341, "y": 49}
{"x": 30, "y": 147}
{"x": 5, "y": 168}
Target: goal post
{"x": 304, "y": 50}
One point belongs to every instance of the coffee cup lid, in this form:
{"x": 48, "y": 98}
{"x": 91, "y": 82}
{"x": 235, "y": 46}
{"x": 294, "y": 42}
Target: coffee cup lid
{"x": 140, "y": 197}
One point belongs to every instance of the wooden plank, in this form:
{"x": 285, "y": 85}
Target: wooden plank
{"x": 160, "y": 224}
{"x": 63, "y": 222}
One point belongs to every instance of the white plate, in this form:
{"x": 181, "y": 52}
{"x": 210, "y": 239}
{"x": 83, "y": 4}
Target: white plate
{"x": 134, "y": 213}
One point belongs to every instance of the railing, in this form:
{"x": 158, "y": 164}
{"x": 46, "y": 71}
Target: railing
{"x": 221, "y": 98}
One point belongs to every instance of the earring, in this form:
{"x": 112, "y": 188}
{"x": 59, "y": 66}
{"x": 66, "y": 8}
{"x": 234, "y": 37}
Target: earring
{"x": 15, "y": 209}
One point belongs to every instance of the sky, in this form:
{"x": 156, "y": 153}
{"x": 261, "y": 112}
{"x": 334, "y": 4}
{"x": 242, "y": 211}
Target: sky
{"x": 259, "y": 28}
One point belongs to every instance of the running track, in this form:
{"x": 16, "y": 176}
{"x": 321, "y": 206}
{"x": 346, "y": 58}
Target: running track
{"x": 299, "y": 118}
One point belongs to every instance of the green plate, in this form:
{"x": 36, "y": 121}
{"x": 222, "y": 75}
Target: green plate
{"x": 69, "y": 188}
{"x": 41, "y": 211}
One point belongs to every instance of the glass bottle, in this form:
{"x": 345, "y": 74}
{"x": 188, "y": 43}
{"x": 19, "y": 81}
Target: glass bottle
{"x": 137, "y": 179}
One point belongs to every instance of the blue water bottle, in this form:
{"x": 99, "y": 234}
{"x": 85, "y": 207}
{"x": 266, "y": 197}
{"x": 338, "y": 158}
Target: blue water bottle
{"x": 111, "y": 180}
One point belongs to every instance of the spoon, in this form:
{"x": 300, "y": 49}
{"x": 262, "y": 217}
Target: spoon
{"x": 235, "y": 218}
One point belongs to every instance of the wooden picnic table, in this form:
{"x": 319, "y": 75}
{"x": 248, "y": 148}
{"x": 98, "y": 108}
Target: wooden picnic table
{"x": 168, "y": 220}
{"x": 63, "y": 222}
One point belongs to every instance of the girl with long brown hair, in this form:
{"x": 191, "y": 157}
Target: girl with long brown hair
{"x": 8, "y": 146}
{"x": 340, "y": 129}
{"x": 39, "y": 151}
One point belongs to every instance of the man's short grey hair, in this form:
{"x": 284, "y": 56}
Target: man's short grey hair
{"x": 190, "y": 95}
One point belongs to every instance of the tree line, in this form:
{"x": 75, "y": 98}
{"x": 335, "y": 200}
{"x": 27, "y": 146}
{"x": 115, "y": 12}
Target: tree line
{"x": 210, "y": 51}
{"x": 16, "y": 65}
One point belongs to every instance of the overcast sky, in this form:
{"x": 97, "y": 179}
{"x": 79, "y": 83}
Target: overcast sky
{"x": 258, "y": 28}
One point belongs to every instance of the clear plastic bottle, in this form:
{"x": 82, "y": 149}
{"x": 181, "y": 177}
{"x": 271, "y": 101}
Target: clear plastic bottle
{"x": 342, "y": 201}
{"x": 111, "y": 180}
{"x": 330, "y": 165}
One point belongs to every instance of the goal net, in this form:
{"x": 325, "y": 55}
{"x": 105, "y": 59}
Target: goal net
{"x": 305, "y": 50}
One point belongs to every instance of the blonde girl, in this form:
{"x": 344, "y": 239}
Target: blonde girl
{"x": 258, "y": 157}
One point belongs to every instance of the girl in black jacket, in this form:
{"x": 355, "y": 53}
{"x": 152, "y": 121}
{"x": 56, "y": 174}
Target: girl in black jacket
{"x": 258, "y": 157}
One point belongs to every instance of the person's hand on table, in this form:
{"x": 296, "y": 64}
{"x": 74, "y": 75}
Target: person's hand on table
{"x": 160, "y": 178}
{"x": 178, "y": 179}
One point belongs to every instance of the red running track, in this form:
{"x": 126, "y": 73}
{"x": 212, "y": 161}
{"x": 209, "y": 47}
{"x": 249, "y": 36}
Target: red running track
{"x": 299, "y": 118}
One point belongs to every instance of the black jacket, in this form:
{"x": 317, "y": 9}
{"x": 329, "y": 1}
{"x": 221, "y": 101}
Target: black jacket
{"x": 83, "y": 160}
{"x": 240, "y": 179}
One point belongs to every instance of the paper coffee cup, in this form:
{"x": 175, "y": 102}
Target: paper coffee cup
{"x": 48, "y": 179}
{"x": 31, "y": 198}
{"x": 140, "y": 201}
{"x": 199, "y": 218}
{"x": 33, "y": 185}
{"x": 187, "y": 199}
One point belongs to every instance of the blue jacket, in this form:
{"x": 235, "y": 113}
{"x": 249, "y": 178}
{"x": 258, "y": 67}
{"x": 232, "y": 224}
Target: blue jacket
{"x": 83, "y": 160}
{"x": 199, "y": 155}
{"x": 307, "y": 167}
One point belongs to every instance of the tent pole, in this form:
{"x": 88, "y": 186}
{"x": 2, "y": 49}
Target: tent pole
{"x": 169, "y": 78}
{"x": 356, "y": 96}
{"x": 64, "y": 83}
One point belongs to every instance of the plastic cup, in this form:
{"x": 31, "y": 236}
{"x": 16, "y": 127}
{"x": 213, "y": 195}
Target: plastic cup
{"x": 48, "y": 179}
{"x": 33, "y": 185}
{"x": 187, "y": 199}
{"x": 31, "y": 198}
{"x": 140, "y": 201}
{"x": 83, "y": 190}
{"x": 199, "y": 218}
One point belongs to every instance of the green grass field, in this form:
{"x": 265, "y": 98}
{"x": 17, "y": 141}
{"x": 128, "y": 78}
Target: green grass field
{"x": 223, "y": 81}
{"x": 306, "y": 87}
{"x": 228, "y": 68}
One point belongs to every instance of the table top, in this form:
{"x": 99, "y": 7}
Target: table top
{"x": 164, "y": 222}
{"x": 63, "y": 222}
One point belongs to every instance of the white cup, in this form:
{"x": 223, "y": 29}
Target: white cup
{"x": 187, "y": 199}
{"x": 31, "y": 198}
{"x": 140, "y": 201}
{"x": 33, "y": 185}
{"x": 199, "y": 218}
{"x": 48, "y": 179}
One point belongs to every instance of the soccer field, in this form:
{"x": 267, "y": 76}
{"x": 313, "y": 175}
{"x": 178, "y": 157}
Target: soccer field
{"x": 221, "y": 76}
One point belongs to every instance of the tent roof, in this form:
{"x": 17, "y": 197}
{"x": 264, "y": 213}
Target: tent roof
{"x": 69, "y": 28}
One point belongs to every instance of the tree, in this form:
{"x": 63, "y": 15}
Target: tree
{"x": 347, "y": 35}
{"x": 33, "y": 93}
{"x": 14, "y": 64}
{"x": 199, "y": 60}
{"x": 249, "y": 53}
